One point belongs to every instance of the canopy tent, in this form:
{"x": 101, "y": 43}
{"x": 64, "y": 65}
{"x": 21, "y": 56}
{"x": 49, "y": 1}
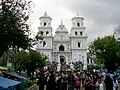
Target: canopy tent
{"x": 14, "y": 74}
{"x": 6, "y": 83}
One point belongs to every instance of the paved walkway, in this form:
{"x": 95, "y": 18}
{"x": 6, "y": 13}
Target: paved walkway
{"x": 36, "y": 87}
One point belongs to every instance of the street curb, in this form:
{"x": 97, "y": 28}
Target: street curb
{"x": 33, "y": 87}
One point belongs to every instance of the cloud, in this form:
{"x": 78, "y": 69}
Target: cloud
{"x": 101, "y": 16}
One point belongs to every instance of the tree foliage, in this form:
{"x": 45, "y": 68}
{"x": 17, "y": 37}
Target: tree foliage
{"x": 26, "y": 60}
{"x": 107, "y": 51}
{"x": 31, "y": 60}
{"x": 14, "y": 29}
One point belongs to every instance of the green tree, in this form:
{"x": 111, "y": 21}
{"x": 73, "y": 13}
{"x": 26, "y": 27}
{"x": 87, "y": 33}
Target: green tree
{"x": 14, "y": 29}
{"x": 107, "y": 51}
{"x": 13, "y": 57}
{"x": 31, "y": 60}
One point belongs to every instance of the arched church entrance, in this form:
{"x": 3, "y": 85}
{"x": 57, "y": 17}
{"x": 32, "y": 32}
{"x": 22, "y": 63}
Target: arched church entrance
{"x": 62, "y": 60}
{"x": 64, "y": 66}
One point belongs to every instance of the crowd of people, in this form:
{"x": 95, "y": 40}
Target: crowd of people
{"x": 74, "y": 80}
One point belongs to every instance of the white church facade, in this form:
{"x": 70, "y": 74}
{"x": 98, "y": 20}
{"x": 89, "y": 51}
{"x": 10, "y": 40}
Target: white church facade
{"x": 117, "y": 33}
{"x": 64, "y": 46}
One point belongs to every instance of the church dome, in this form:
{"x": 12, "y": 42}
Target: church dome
{"x": 45, "y": 16}
{"x": 61, "y": 28}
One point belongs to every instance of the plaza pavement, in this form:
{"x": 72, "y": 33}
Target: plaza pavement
{"x": 36, "y": 87}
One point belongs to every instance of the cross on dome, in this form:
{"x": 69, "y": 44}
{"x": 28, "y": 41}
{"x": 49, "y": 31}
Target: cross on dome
{"x": 61, "y": 25}
{"x": 61, "y": 22}
{"x": 77, "y": 14}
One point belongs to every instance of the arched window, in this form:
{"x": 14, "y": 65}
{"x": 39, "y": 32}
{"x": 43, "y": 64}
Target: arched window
{"x": 61, "y": 48}
{"x": 44, "y": 23}
{"x": 78, "y": 24}
{"x": 44, "y": 43}
{"x": 47, "y": 33}
{"x": 78, "y": 44}
{"x": 81, "y": 33}
{"x": 76, "y": 33}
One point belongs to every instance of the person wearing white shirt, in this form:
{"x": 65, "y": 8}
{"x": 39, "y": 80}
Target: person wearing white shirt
{"x": 115, "y": 83}
{"x": 100, "y": 85}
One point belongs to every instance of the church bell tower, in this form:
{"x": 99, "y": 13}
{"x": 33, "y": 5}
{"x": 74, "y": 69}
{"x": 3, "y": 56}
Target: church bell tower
{"x": 45, "y": 29}
{"x": 78, "y": 40}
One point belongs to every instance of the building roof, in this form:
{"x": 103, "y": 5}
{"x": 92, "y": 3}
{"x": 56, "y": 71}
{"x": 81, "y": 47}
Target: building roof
{"x": 14, "y": 74}
{"x": 61, "y": 28}
{"x": 45, "y": 16}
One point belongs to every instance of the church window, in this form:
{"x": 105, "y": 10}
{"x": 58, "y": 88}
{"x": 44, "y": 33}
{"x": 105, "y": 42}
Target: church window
{"x": 79, "y": 44}
{"x": 81, "y": 33}
{"x": 87, "y": 60}
{"x": 118, "y": 38}
{"x": 61, "y": 48}
{"x": 78, "y": 24}
{"x": 76, "y": 33}
{"x": 44, "y": 23}
{"x": 47, "y": 33}
{"x": 44, "y": 43}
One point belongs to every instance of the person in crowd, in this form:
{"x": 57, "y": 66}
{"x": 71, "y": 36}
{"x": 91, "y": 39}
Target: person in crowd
{"x": 94, "y": 79}
{"x": 108, "y": 83}
{"x": 58, "y": 82}
{"x": 88, "y": 83}
{"x": 47, "y": 74}
{"x": 100, "y": 85}
{"x": 115, "y": 83}
{"x": 71, "y": 82}
{"x": 83, "y": 77}
{"x": 64, "y": 81}
{"x": 51, "y": 82}
{"x": 42, "y": 81}
{"x": 77, "y": 81}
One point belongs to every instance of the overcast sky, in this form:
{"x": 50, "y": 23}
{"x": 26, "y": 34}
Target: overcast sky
{"x": 100, "y": 16}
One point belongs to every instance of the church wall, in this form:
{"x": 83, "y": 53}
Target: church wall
{"x": 58, "y": 45}
{"x": 76, "y": 40}
{"x": 80, "y": 55}
{"x": 78, "y": 30}
{"x": 45, "y": 30}
{"x": 48, "y": 53}
{"x": 47, "y": 21}
{"x": 61, "y": 37}
{"x": 46, "y": 43}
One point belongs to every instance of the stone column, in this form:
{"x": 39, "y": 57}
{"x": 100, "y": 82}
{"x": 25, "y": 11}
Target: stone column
{"x": 66, "y": 58}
